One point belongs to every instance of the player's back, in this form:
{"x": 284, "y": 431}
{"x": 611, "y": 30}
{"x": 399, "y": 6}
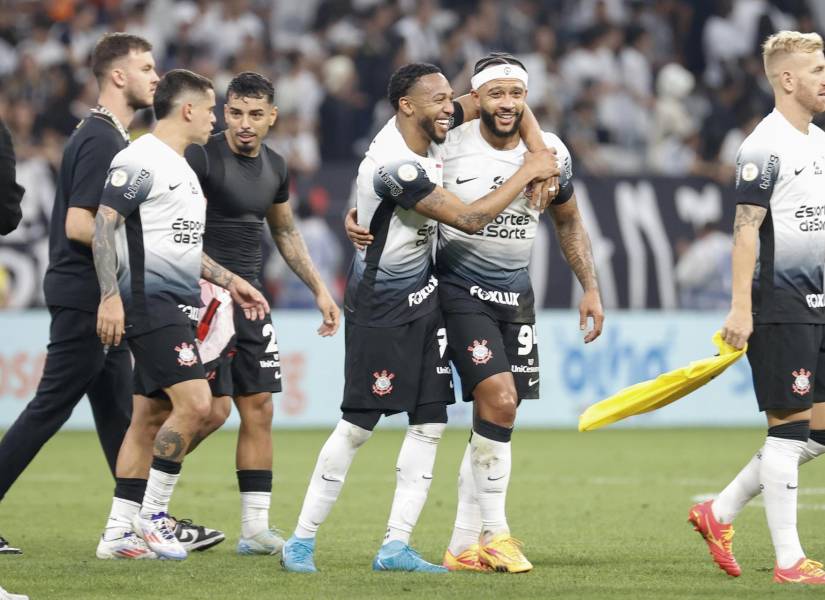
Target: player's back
{"x": 392, "y": 282}
{"x": 783, "y": 170}
{"x": 491, "y": 265}
{"x": 239, "y": 191}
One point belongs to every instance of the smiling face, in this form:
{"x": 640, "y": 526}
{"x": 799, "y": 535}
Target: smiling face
{"x": 431, "y": 100}
{"x": 501, "y": 106}
{"x": 248, "y": 120}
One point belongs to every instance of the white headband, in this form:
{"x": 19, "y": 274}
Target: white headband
{"x": 498, "y": 72}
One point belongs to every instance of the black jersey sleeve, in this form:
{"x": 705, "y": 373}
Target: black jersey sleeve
{"x": 11, "y": 192}
{"x": 565, "y": 174}
{"x": 757, "y": 170}
{"x": 458, "y": 115}
{"x": 197, "y": 158}
{"x": 282, "y": 195}
{"x": 93, "y": 157}
{"x": 403, "y": 182}
{"x": 127, "y": 186}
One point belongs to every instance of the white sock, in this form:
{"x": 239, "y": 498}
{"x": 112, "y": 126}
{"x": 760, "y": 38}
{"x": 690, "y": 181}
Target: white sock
{"x": 254, "y": 513}
{"x": 413, "y": 474}
{"x": 740, "y": 491}
{"x": 778, "y": 475}
{"x": 491, "y": 472}
{"x": 467, "y": 528}
{"x": 811, "y": 450}
{"x": 158, "y": 493}
{"x": 328, "y": 477}
{"x": 120, "y": 518}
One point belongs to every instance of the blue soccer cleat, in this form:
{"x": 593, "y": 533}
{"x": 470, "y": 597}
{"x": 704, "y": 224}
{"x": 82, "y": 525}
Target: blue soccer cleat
{"x": 398, "y": 556}
{"x": 297, "y": 555}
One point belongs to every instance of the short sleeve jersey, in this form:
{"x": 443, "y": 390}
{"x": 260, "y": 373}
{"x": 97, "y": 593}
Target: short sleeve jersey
{"x": 160, "y": 246}
{"x": 487, "y": 271}
{"x": 239, "y": 191}
{"x": 392, "y": 281}
{"x": 783, "y": 170}
{"x": 70, "y": 279}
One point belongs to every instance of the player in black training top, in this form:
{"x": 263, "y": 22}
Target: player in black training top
{"x": 245, "y": 183}
{"x": 77, "y": 363}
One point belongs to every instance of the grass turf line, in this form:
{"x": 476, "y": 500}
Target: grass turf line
{"x": 602, "y": 514}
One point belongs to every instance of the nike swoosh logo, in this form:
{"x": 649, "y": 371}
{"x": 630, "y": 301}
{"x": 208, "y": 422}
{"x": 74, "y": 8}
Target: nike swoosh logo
{"x": 459, "y": 181}
{"x": 798, "y": 171}
{"x": 532, "y": 382}
{"x": 325, "y": 478}
{"x": 172, "y": 187}
{"x": 186, "y": 536}
{"x": 791, "y": 487}
{"x": 425, "y": 477}
{"x": 496, "y": 478}
{"x": 277, "y": 375}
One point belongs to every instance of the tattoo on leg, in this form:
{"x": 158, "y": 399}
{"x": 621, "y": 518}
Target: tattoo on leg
{"x": 169, "y": 444}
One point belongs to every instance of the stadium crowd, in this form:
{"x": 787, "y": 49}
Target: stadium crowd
{"x": 665, "y": 87}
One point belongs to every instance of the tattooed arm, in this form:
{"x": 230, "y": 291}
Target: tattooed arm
{"x": 739, "y": 322}
{"x": 575, "y": 245}
{"x": 243, "y": 293}
{"x": 291, "y": 245}
{"x": 445, "y": 207}
{"x": 110, "y": 316}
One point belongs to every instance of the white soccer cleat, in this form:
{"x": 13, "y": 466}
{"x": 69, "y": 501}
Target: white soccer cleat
{"x": 128, "y": 546}
{"x": 268, "y": 541}
{"x": 4, "y": 595}
{"x": 159, "y": 535}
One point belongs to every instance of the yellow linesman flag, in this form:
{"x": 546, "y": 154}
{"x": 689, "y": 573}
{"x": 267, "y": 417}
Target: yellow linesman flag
{"x": 666, "y": 388}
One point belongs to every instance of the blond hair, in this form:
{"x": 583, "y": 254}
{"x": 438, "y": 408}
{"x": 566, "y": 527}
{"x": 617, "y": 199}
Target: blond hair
{"x": 785, "y": 43}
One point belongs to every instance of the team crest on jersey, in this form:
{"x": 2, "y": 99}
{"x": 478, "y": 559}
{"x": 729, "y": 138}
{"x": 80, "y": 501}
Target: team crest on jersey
{"x": 479, "y": 352}
{"x": 186, "y": 355}
{"x": 802, "y": 382}
{"x": 383, "y": 383}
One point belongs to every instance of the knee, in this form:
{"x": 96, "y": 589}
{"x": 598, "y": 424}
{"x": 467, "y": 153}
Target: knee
{"x": 256, "y": 410}
{"x": 429, "y": 433}
{"x": 502, "y": 404}
{"x": 356, "y": 436}
{"x": 217, "y": 416}
{"x": 198, "y": 410}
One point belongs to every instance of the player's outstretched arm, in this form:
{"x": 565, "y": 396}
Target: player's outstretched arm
{"x": 445, "y": 207}
{"x": 575, "y": 245}
{"x": 110, "y": 317}
{"x": 292, "y": 247}
{"x": 739, "y": 322}
{"x": 243, "y": 293}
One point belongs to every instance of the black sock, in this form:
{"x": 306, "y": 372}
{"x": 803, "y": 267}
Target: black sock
{"x": 492, "y": 431}
{"x": 131, "y": 489}
{"x": 164, "y": 465}
{"x": 253, "y": 480}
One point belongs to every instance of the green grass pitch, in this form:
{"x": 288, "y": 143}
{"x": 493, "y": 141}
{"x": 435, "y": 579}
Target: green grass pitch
{"x": 602, "y": 515}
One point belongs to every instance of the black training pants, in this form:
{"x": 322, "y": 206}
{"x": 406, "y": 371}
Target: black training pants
{"x": 76, "y": 364}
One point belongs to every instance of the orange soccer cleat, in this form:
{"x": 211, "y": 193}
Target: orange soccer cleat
{"x": 465, "y": 561}
{"x": 718, "y": 536}
{"x": 503, "y": 553}
{"x": 805, "y": 571}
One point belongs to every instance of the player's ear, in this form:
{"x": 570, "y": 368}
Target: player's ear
{"x": 273, "y": 116}
{"x": 186, "y": 111}
{"x": 476, "y": 99}
{"x": 118, "y": 77}
{"x": 405, "y": 106}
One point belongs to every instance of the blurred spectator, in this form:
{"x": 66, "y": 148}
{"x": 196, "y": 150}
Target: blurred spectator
{"x": 11, "y": 192}
{"x": 293, "y": 139}
{"x": 703, "y": 271}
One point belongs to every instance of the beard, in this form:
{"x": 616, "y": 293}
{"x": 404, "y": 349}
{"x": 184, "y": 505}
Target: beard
{"x": 137, "y": 102}
{"x": 428, "y": 125}
{"x": 489, "y": 120}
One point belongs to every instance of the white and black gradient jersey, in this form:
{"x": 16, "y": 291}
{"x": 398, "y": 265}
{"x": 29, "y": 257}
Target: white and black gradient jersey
{"x": 783, "y": 170}
{"x": 487, "y": 271}
{"x": 159, "y": 247}
{"x": 392, "y": 282}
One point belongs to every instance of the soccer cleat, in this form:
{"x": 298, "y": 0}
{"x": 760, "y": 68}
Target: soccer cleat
{"x": 196, "y": 538}
{"x": 718, "y": 536}
{"x": 128, "y": 546}
{"x": 297, "y": 555}
{"x": 503, "y": 553}
{"x": 805, "y": 571}
{"x": 398, "y": 556}
{"x": 268, "y": 541}
{"x": 5, "y": 548}
{"x": 4, "y": 595}
{"x": 158, "y": 534}
{"x": 465, "y": 561}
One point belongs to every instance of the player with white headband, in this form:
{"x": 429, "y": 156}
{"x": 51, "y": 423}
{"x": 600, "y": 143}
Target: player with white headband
{"x": 488, "y": 305}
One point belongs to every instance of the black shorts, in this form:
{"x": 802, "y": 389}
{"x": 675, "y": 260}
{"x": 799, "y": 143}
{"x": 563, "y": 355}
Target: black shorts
{"x": 481, "y": 347}
{"x": 397, "y": 369}
{"x": 788, "y": 365}
{"x": 164, "y": 357}
{"x": 255, "y": 364}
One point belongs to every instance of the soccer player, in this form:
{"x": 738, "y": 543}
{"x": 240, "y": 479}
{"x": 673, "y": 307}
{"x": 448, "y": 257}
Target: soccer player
{"x": 487, "y": 300}
{"x": 148, "y": 247}
{"x": 777, "y": 304}
{"x": 395, "y": 338}
{"x": 76, "y": 362}
{"x": 246, "y": 182}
